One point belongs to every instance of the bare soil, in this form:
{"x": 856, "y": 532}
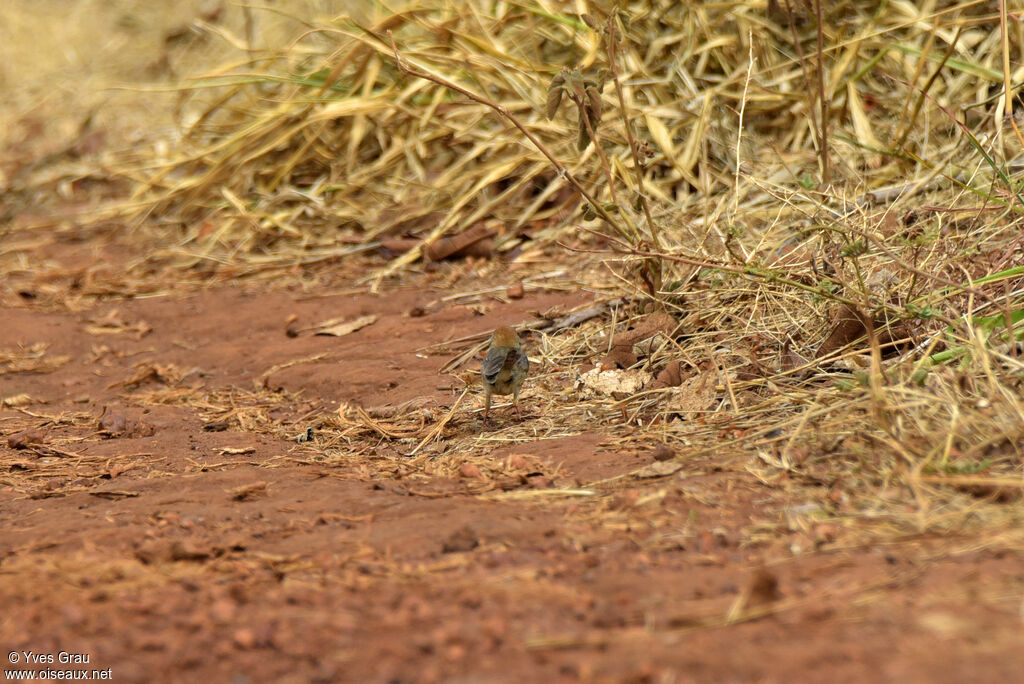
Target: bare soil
{"x": 158, "y": 514}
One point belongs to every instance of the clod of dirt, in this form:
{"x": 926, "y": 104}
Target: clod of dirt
{"x": 539, "y": 481}
{"x": 470, "y": 470}
{"x": 245, "y": 638}
{"x": 21, "y": 440}
{"x": 764, "y": 589}
{"x": 519, "y": 462}
{"x": 461, "y": 540}
{"x": 607, "y": 382}
{"x": 515, "y": 290}
{"x": 139, "y": 428}
{"x": 662, "y": 452}
{"x": 113, "y": 422}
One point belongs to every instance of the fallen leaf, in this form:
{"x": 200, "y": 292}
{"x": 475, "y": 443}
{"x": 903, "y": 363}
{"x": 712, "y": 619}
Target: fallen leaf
{"x": 337, "y": 328}
{"x": 657, "y": 469}
{"x": 670, "y": 376}
{"x": 474, "y": 241}
{"x": 16, "y": 400}
{"x": 20, "y": 440}
{"x": 113, "y": 324}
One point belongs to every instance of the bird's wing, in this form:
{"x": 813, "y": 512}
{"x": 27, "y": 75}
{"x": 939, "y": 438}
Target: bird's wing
{"x": 493, "y": 363}
{"x": 523, "y": 362}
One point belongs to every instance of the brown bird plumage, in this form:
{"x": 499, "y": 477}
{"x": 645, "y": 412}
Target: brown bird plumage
{"x": 504, "y": 368}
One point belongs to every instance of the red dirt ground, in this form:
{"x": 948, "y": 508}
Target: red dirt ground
{"x": 165, "y": 558}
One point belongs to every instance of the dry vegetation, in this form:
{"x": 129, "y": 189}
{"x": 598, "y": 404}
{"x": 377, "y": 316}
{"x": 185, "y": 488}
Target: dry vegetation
{"x": 845, "y": 263}
{"x": 810, "y": 255}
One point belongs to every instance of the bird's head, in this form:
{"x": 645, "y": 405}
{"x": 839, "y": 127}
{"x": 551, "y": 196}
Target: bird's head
{"x": 505, "y": 337}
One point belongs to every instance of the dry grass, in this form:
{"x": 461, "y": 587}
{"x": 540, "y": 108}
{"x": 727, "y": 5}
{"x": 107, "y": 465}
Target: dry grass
{"x": 835, "y": 217}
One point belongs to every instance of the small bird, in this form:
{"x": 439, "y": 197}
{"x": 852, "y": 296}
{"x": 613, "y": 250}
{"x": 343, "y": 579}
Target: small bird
{"x": 504, "y": 368}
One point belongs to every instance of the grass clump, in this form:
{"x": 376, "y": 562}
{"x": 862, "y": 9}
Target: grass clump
{"x": 826, "y": 201}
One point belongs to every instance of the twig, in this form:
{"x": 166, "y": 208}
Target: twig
{"x": 652, "y": 266}
{"x": 440, "y": 426}
{"x": 1007, "y": 91}
{"x": 825, "y": 174}
{"x": 638, "y": 167}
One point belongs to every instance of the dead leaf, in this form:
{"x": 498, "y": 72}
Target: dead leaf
{"x": 20, "y": 440}
{"x": 32, "y": 359}
{"x": 338, "y": 327}
{"x": 475, "y": 241}
{"x": 145, "y": 371}
{"x": 113, "y": 324}
{"x": 849, "y": 325}
{"x": 670, "y": 376}
{"x": 657, "y": 469}
{"x": 618, "y": 357}
{"x": 16, "y": 400}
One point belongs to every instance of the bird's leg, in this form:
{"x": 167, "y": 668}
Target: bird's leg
{"x": 515, "y": 402}
{"x": 487, "y": 403}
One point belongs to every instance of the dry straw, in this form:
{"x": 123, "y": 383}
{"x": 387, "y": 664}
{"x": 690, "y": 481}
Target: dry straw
{"x": 824, "y": 196}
